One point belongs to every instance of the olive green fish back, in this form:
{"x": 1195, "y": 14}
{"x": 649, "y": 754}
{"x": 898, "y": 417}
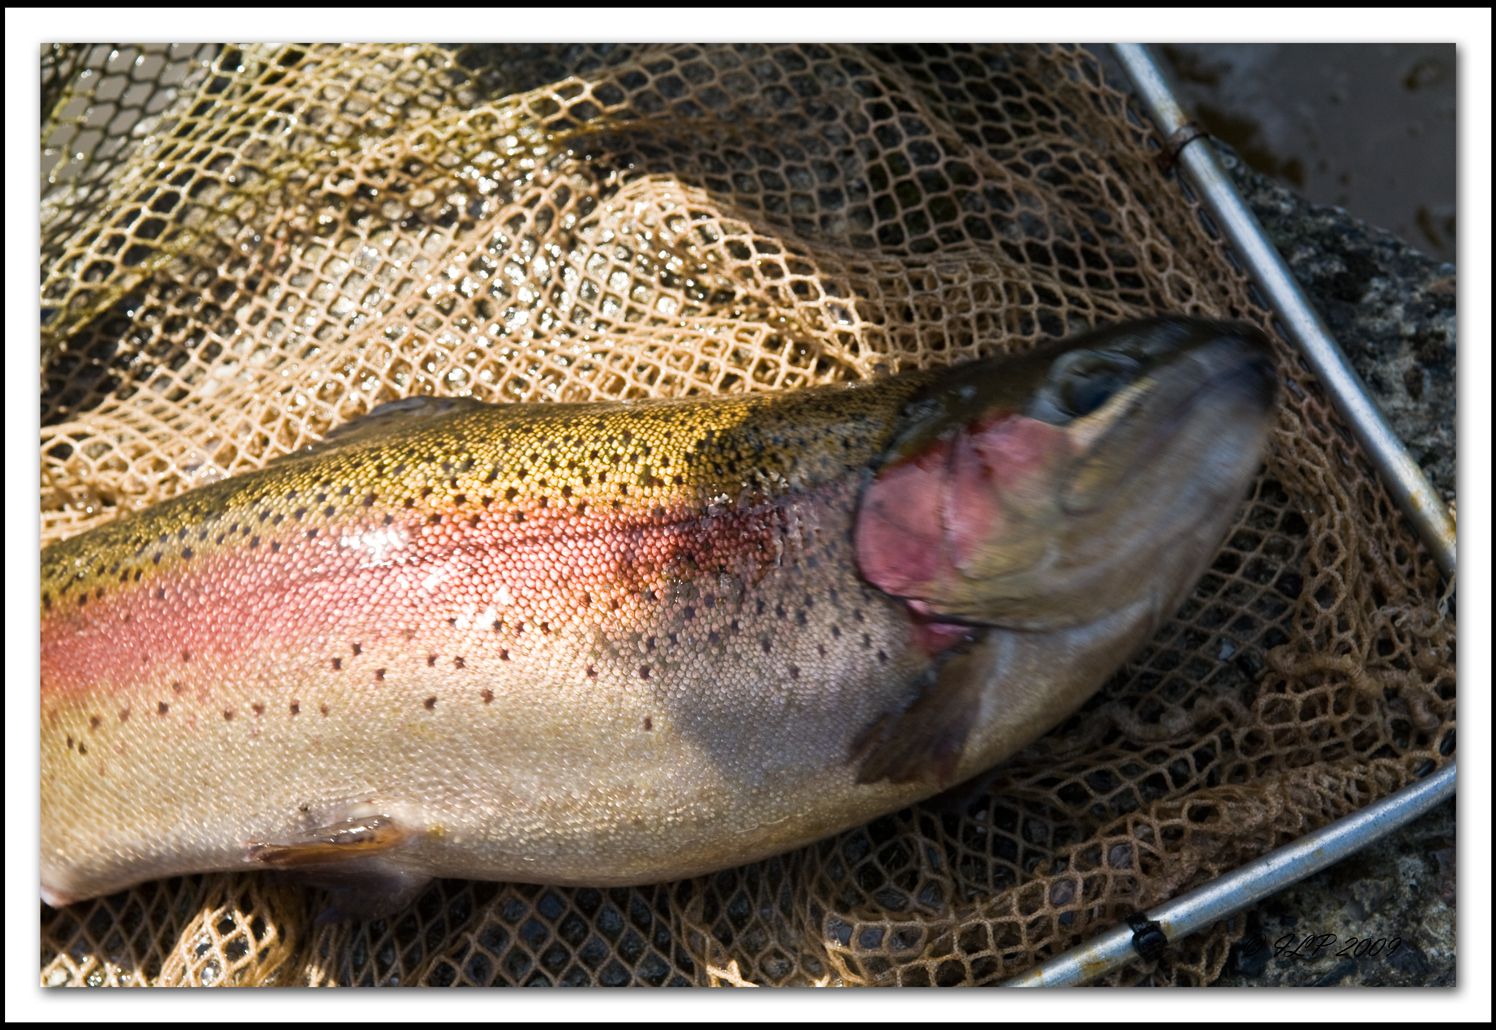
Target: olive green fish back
{"x": 245, "y": 246}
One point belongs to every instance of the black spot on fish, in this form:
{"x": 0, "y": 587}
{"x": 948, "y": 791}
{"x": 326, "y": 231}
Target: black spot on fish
{"x": 431, "y": 661}
{"x": 459, "y": 663}
{"x": 322, "y": 708}
{"x": 591, "y": 673}
{"x": 379, "y": 675}
{"x": 82, "y": 748}
{"x": 124, "y": 714}
{"x": 369, "y": 500}
{"x": 295, "y": 707}
{"x": 94, "y": 721}
{"x": 648, "y": 724}
{"x": 487, "y": 696}
{"x": 162, "y": 708}
{"x": 257, "y": 708}
{"x": 329, "y": 511}
{"x": 358, "y": 648}
{"x": 228, "y": 715}
{"x": 337, "y": 663}
{"x": 430, "y": 704}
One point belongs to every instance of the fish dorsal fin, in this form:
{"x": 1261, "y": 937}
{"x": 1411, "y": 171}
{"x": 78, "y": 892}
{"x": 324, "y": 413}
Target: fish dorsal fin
{"x": 401, "y": 415}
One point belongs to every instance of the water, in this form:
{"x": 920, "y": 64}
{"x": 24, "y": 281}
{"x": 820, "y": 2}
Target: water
{"x": 1369, "y": 127}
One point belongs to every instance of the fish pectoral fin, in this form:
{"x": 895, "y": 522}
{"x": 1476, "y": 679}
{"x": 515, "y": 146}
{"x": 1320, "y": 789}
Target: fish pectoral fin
{"x": 342, "y": 841}
{"x": 960, "y": 799}
{"x": 925, "y": 740}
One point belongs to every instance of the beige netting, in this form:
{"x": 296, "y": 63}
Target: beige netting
{"x": 243, "y": 246}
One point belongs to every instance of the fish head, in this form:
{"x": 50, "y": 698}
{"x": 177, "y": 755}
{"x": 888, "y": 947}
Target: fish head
{"x": 1050, "y": 490}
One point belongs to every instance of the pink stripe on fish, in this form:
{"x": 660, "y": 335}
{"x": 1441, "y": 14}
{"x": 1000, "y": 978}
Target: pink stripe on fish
{"x": 401, "y": 583}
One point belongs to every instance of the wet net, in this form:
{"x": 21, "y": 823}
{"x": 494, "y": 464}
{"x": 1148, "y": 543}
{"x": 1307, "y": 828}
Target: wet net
{"x": 244, "y": 246}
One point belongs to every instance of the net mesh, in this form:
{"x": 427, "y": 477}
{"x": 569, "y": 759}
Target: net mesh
{"x": 244, "y": 246}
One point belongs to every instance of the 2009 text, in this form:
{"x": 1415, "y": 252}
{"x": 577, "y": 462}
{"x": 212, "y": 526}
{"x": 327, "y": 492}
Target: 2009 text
{"x": 1292, "y": 946}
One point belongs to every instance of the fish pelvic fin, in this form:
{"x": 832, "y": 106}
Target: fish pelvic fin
{"x": 348, "y": 839}
{"x": 355, "y": 860}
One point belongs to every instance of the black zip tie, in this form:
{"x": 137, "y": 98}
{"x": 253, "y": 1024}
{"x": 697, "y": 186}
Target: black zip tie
{"x": 1177, "y": 141}
{"x": 1148, "y": 938}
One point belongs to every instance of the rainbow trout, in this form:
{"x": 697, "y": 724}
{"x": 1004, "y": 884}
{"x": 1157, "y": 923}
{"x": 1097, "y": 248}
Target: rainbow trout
{"x": 623, "y": 643}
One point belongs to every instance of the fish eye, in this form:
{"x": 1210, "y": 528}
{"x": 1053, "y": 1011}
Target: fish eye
{"x": 1091, "y": 378}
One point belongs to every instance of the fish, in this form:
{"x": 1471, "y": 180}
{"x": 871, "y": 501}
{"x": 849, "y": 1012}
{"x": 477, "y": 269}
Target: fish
{"x": 632, "y": 642}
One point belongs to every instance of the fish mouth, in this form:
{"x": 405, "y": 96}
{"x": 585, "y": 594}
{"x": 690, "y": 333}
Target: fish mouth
{"x": 1250, "y": 377}
{"x": 1239, "y": 373}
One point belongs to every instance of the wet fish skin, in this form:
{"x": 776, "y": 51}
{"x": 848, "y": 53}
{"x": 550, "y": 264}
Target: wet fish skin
{"x": 608, "y": 644}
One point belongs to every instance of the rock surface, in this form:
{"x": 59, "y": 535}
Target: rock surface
{"x": 1392, "y": 309}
